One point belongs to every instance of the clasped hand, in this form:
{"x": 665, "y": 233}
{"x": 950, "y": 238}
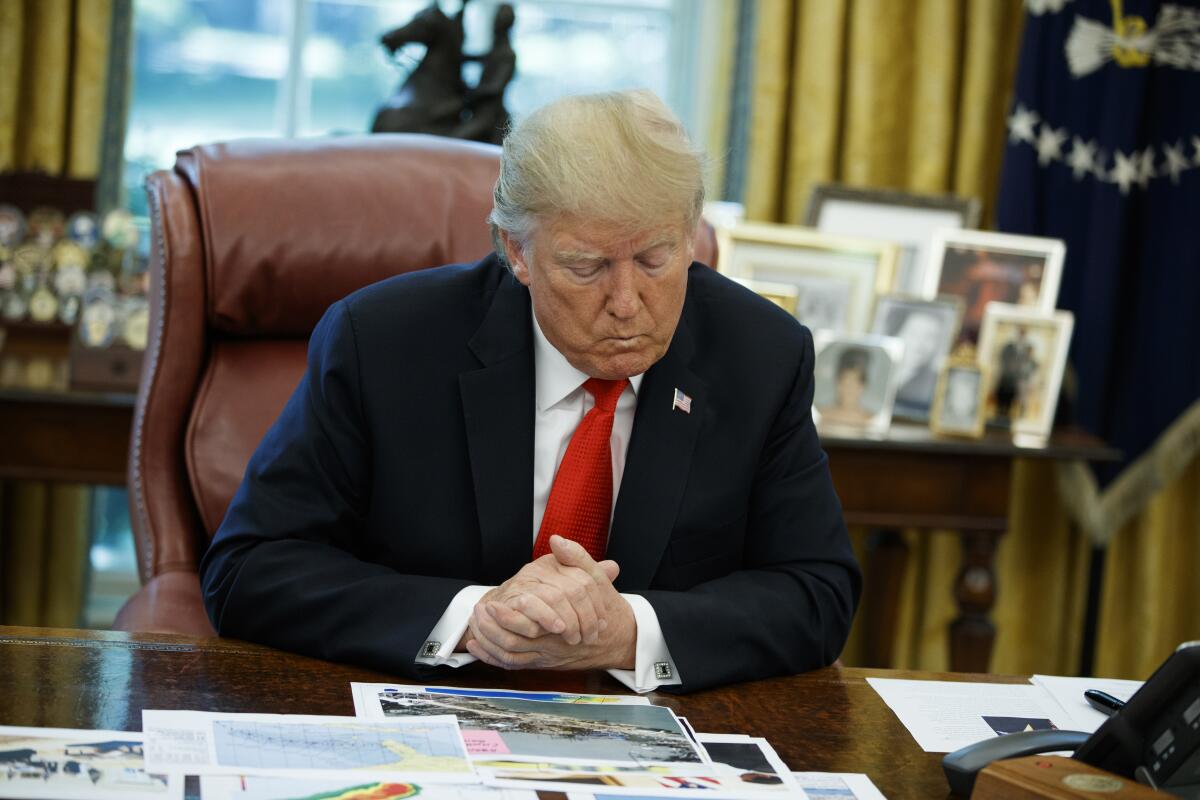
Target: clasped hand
{"x": 559, "y": 612}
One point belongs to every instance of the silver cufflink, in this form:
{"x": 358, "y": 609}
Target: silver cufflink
{"x": 430, "y": 649}
{"x": 662, "y": 670}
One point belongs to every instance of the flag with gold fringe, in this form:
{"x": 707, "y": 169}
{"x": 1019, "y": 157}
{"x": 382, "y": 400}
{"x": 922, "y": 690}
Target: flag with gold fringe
{"x": 1104, "y": 152}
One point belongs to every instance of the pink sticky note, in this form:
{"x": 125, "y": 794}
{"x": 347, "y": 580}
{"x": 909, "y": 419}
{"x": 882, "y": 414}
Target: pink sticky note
{"x": 484, "y": 742}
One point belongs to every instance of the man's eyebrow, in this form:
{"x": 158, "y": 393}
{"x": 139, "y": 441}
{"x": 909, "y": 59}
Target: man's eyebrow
{"x": 575, "y": 256}
{"x": 665, "y": 241}
{"x": 572, "y": 256}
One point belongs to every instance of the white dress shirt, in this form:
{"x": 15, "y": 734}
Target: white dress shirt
{"x": 561, "y": 403}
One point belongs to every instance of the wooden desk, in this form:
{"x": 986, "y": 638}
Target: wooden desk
{"x": 829, "y": 720}
{"x": 910, "y": 478}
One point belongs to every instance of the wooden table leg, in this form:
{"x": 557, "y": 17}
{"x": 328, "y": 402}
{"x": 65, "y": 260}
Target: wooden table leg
{"x": 972, "y": 633}
{"x": 887, "y": 559}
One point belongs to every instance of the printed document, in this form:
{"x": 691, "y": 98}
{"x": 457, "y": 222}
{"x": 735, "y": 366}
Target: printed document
{"x": 946, "y": 715}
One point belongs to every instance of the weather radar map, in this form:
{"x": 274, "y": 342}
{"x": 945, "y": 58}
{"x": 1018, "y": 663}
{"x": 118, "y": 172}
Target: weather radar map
{"x": 277, "y": 745}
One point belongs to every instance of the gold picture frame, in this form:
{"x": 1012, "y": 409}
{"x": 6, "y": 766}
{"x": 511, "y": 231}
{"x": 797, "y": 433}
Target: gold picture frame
{"x": 950, "y": 419}
{"x": 837, "y": 278}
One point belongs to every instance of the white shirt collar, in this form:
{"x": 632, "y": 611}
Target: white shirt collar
{"x": 554, "y": 377}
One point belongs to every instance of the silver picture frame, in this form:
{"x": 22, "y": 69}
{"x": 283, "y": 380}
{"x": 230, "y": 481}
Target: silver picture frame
{"x": 929, "y": 329}
{"x": 855, "y": 382}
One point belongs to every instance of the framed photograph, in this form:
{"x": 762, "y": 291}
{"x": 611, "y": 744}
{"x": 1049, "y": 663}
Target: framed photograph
{"x": 983, "y": 267}
{"x": 1024, "y": 351}
{"x": 959, "y": 402}
{"x": 909, "y": 220}
{"x": 855, "y": 377}
{"x": 836, "y": 278}
{"x": 928, "y": 329}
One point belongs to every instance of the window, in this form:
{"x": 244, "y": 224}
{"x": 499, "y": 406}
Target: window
{"x": 210, "y": 70}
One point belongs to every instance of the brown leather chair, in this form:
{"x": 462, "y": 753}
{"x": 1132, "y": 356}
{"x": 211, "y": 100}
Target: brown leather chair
{"x": 252, "y": 241}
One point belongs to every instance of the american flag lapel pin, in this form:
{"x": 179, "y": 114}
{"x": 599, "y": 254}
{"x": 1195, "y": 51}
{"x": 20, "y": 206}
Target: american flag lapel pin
{"x": 681, "y": 402}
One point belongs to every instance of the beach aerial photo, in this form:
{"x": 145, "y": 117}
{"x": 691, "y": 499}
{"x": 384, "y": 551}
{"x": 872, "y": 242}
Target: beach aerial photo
{"x": 628, "y": 733}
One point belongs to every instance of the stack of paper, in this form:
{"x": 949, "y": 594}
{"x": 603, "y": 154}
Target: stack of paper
{"x": 437, "y": 742}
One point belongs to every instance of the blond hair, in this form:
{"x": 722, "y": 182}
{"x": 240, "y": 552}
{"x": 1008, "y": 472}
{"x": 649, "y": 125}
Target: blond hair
{"x": 619, "y": 157}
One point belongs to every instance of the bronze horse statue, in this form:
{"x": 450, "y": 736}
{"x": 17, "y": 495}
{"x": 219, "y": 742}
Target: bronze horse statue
{"x": 434, "y": 98}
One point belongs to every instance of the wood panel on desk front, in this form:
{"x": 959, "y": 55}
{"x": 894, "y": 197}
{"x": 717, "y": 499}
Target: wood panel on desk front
{"x": 829, "y": 720}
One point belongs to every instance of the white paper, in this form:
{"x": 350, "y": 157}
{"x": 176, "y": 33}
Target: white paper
{"x": 230, "y": 787}
{"x": 836, "y": 786}
{"x": 1068, "y": 693}
{"x": 68, "y": 763}
{"x": 429, "y": 749}
{"x": 946, "y": 715}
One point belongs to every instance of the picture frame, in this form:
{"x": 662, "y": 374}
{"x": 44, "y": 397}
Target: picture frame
{"x": 984, "y": 267}
{"x": 1025, "y": 352}
{"x": 837, "y": 278}
{"x": 907, "y": 219}
{"x": 929, "y": 329}
{"x": 959, "y": 402}
{"x": 855, "y": 381}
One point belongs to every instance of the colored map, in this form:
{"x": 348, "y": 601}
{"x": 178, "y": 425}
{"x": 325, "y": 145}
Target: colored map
{"x": 304, "y": 745}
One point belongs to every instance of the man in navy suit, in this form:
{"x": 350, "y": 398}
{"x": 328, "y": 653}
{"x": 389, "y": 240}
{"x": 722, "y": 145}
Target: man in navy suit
{"x": 583, "y": 452}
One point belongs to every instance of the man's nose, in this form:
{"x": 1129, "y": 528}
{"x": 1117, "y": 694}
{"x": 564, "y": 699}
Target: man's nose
{"x": 624, "y": 302}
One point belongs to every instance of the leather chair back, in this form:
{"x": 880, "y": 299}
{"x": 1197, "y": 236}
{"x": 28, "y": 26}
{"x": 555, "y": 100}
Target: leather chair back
{"x": 251, "y": 242}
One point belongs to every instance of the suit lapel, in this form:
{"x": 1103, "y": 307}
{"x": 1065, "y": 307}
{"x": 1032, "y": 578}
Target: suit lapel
{"x": 657, "y": 464}
{"x": 498, "y": 403}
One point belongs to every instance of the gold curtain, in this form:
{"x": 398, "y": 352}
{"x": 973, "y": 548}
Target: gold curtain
{"x": 53, "y": 67}
{"x": 53, "y": 71}
{"x": 43, "y": 553}
{"x": 877, "y": 93}
{"x": 913, "y": 96}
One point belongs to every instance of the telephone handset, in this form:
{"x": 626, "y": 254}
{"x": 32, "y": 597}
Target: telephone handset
{"x": 1154, "y": 738}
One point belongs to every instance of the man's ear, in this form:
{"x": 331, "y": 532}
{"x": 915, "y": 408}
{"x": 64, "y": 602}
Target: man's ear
{"x": 515, "y": 255}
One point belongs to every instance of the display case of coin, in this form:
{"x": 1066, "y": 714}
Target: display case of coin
{"x": 106, "y": 298}
{"x": 43, "y": 265}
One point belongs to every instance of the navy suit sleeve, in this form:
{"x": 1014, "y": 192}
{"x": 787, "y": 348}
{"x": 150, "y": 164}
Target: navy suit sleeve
{"x": 284, "y": 568}
{"x": 789, "y": 607}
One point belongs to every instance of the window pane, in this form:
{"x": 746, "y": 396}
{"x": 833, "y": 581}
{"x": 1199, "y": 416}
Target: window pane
{"x": 563, "y": 47}
{"x": 204, "y": 70}
{"x": 572, "y": 48}
{"x": 114, "y": 576}
{"x": 347, "y": 69}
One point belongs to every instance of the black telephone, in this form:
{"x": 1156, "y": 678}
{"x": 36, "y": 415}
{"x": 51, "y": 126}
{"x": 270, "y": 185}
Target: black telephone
{"x": 1154, "y": 738}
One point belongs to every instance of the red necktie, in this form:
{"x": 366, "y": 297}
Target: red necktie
{"x": 580, "y": 503}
